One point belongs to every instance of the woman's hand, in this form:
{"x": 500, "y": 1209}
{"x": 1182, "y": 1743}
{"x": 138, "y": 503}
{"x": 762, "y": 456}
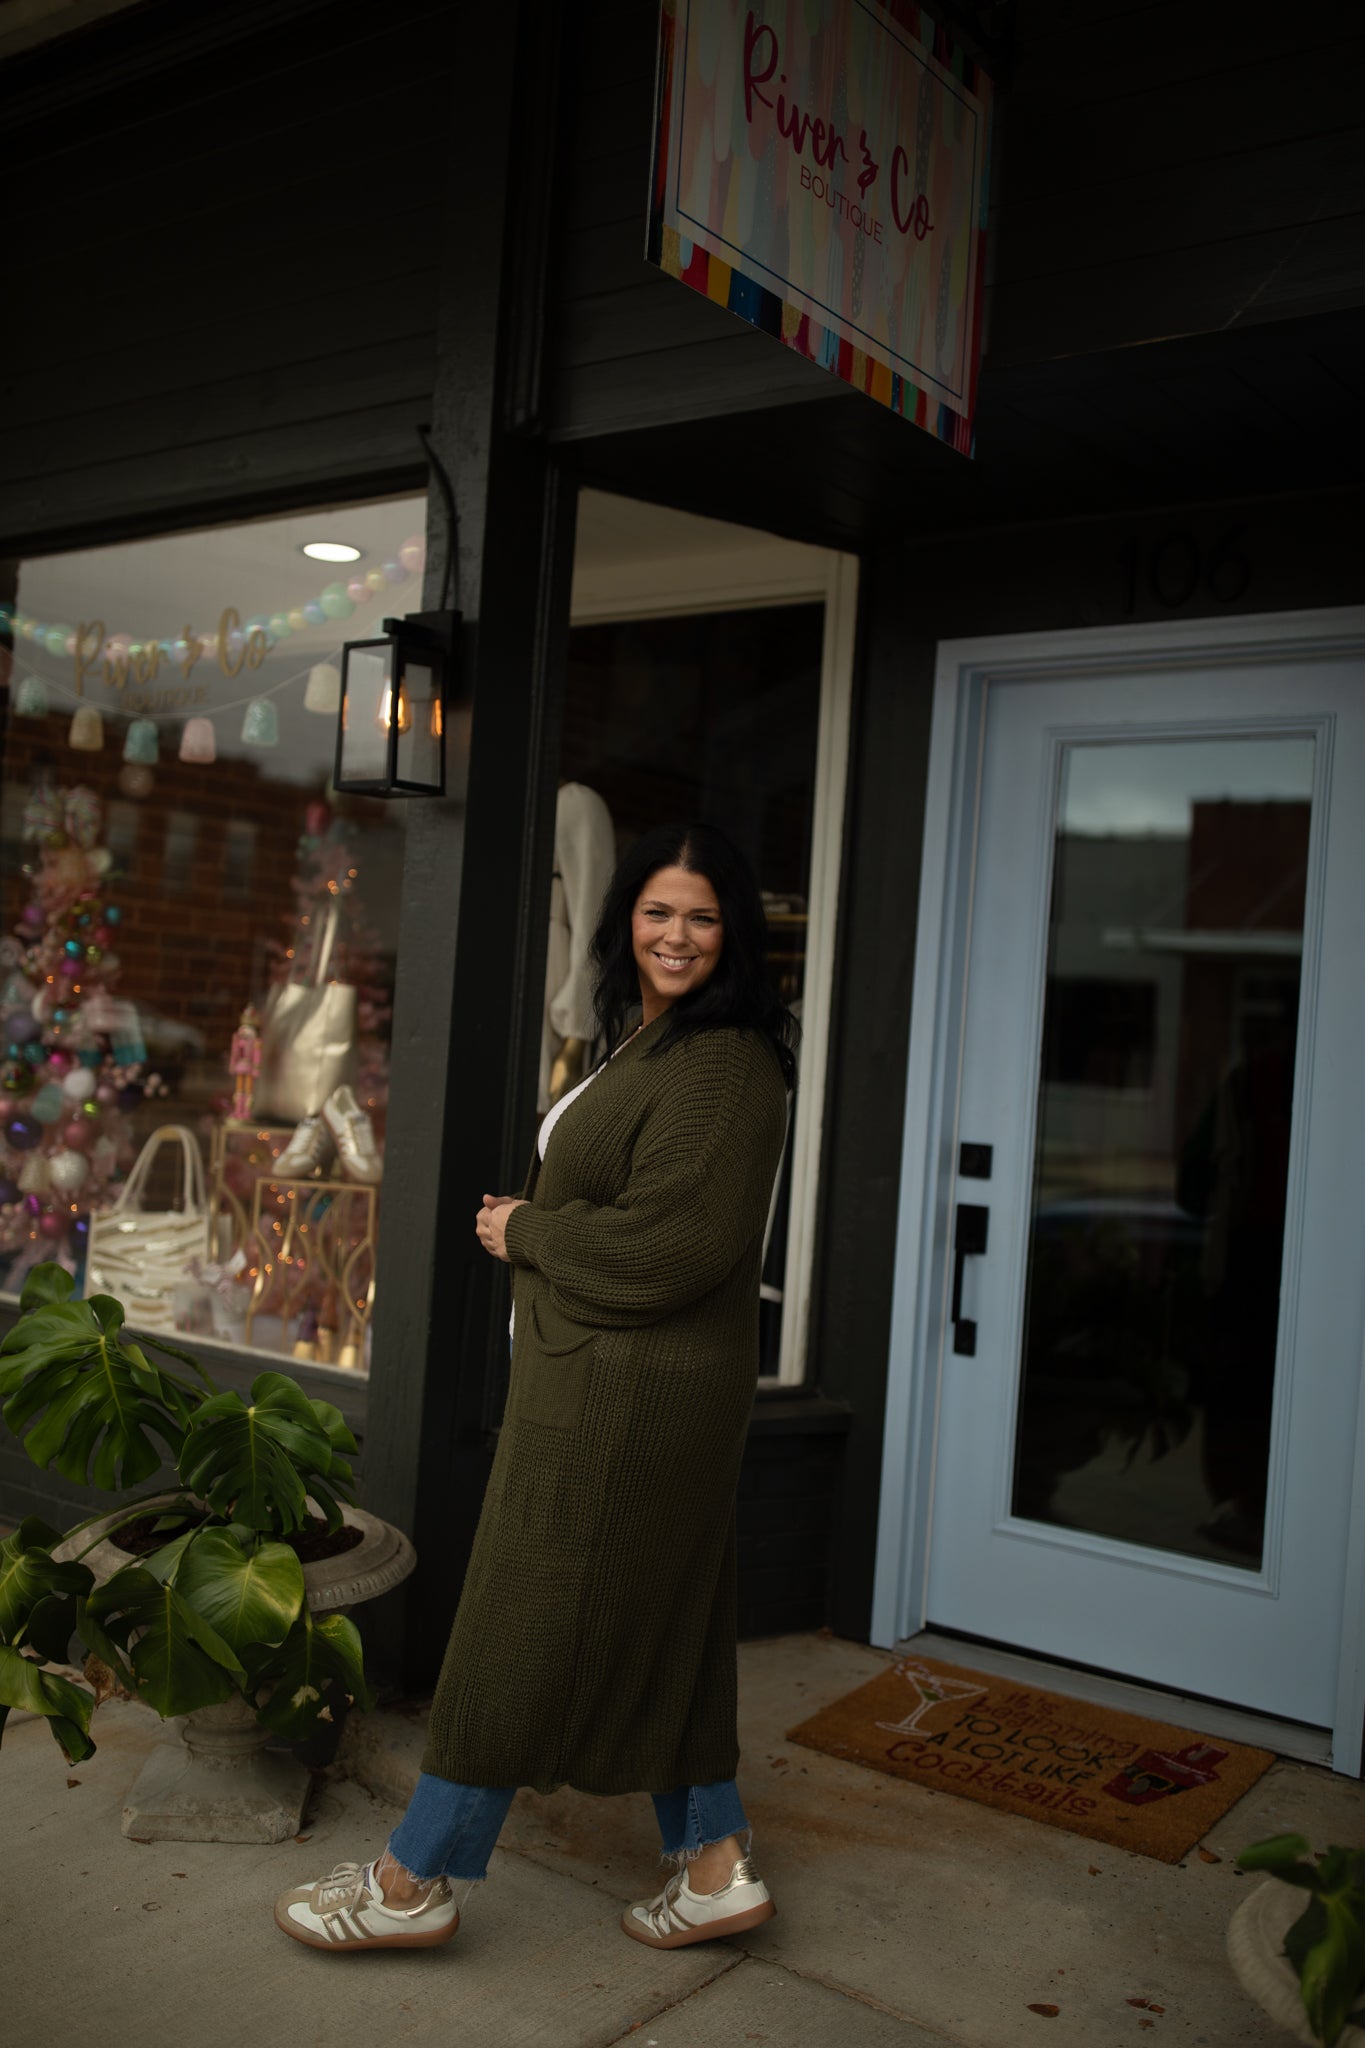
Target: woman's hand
{"x": 491, "y": 1224}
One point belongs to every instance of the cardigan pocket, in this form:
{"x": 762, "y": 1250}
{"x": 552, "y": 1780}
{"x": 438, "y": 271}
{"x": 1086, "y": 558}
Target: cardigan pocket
{"x": 556, "y": 1367}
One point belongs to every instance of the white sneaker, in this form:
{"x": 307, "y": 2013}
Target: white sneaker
{"x": 308, "y": 1151}
{"x": 679, "y": 1915}
{"x": 348, "y": 1911}
{"x": 354, "y": 1134}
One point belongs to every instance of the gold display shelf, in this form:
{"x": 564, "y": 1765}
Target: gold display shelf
{"x": 324, "y": 1239}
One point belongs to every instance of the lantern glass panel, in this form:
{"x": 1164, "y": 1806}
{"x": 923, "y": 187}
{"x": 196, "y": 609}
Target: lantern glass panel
{"x": 419, "y": 721}
{"x": 365, "y": 713}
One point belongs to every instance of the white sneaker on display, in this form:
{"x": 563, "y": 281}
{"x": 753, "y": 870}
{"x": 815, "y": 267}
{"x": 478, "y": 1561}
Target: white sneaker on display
{"x": 309, "y": 1151}
{"x": 679, "y": 1916}
{"x": 350, "y": 1126}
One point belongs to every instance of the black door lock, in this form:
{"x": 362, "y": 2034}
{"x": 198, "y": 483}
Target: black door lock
{"x": 970, "y": 1229}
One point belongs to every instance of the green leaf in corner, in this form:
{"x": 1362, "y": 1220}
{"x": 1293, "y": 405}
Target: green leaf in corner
{"x": 1334, "y": 1969}
{"x": 32, "y": 1690}
{"x": 29, "y": 1575}
{"x": 1282, "y": 1856}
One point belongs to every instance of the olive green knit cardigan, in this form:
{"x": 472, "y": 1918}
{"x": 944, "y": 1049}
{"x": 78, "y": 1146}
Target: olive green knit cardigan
{"x": 595, "y": 1639}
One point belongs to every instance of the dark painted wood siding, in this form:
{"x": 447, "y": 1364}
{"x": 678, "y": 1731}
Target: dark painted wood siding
{"x": 1175, "y": 168}
{"x": 223, "y": 262}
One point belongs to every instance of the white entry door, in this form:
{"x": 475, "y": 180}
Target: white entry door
{"x": 1152, "y": 1195}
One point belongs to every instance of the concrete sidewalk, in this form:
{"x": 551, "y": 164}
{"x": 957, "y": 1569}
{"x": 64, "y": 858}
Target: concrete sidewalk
{"x": 906, "y": 1917}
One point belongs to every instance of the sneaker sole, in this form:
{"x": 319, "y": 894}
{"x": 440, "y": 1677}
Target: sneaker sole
{"x": 433, "y": 1939}
{"x": 710, "y": 1930}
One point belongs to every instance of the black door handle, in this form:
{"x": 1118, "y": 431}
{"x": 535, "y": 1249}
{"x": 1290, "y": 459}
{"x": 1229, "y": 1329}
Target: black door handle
{"x": 970, "y": 1228}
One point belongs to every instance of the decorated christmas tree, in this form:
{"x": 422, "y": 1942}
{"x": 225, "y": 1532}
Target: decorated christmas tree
{"x": 326, "y": 885}
{"x": 74, "y": 1061}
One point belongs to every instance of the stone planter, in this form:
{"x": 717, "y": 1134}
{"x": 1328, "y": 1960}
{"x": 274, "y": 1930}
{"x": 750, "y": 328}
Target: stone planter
{"x": 1256, "y": 1935}
{"x": 217, "y": 1779}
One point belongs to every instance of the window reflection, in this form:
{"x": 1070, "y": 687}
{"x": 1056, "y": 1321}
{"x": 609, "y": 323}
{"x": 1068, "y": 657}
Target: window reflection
{"x": 1164, "y": 1124}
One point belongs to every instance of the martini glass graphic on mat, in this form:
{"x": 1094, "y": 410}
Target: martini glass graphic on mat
{"x": 930, "y": 1689}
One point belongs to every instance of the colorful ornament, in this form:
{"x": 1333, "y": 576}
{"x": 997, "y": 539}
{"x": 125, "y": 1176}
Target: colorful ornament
{"x": 47, "y": 1105}
{"x": 70, "y": 1172}
{"x": 197, "y": 742}
{"x": 77, "y": 1135}
{"x": 31, "y": 698}
{"x": 21, "y": 1027}
{"x": 141, "y": 744}
{"x": 9, "y": 1192}
{"x": 79, "y": 1085}
{"x": 87, "y": 730}
{"x": 323, "y": 693}
{"x": 35, "y": 1175}
{"x": 261, "y": 725}
{"x": 22, "y": 1134}
{"x": 52, "y": 1224}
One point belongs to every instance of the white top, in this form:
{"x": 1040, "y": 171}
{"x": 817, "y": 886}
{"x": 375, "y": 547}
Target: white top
{"x": 548, "y": 1124}
{"x": 553, "y": 1116}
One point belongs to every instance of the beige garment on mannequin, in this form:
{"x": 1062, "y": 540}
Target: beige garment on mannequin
{"x": 585, "y": 854}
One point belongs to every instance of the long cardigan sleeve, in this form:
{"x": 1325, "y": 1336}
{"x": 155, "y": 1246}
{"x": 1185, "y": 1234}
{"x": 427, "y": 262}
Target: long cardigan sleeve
{"x": 698, "y": 1191}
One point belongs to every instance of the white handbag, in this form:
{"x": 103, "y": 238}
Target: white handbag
{"x": 140, "y": 1255}
{"x": 308, "y": 1037}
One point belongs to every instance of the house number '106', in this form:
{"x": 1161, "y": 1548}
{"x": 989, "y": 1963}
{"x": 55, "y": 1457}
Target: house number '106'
{"x": 1173, "y": 570}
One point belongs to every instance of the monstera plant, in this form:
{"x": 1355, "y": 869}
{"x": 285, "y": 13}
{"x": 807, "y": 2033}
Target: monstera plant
{"x": 1325, "y": 1945}
{"x": 216, "y": 1605}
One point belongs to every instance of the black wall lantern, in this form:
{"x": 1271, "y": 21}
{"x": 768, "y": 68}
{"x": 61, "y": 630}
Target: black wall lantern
{"x": 394, "y": 696}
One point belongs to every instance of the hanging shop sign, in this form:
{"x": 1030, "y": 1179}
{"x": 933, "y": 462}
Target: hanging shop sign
{"x": 820, "y": 169}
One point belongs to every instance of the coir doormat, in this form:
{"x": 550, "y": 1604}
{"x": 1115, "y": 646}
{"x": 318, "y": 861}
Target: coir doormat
{"x": 1139, "y": 1784}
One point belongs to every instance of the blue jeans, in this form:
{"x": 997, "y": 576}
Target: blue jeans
{"x": 449, "y": 1830}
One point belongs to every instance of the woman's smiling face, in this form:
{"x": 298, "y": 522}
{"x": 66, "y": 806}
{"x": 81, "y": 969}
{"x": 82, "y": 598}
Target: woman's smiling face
{"x": 677, "y": 936}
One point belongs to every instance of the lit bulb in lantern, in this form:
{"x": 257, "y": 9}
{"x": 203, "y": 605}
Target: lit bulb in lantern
{"x": 385, "y": 718}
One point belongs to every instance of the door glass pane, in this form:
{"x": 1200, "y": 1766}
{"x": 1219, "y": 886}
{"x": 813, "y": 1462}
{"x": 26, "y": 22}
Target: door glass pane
{"x": 1157, "y": 1226}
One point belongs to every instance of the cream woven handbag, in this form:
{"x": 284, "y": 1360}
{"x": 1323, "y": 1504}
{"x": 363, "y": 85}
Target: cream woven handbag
{"x": 308, "y": 1037}
{"x": 140, "y": 1254}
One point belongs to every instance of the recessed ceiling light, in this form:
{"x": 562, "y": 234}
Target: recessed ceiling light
{"x": 332, "y": 551}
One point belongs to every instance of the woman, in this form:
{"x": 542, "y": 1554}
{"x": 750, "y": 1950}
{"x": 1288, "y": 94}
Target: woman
{"x": 594, "y": 1644}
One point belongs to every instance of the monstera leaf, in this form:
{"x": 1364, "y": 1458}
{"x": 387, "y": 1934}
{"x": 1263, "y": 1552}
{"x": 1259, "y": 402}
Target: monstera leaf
{"x": 315, "y": 1656}
{"x": 250, "y": 1591}
{"x": 30, "y": 1576}
{"x": 1326, "y": 1944}
{"x": 257, "y": 1463}
{"x": 85, "y": 1399}
{"x": 38, "y": 1596}
{"x": 179, "y": 1661}
{"x": 34, "y": 1691}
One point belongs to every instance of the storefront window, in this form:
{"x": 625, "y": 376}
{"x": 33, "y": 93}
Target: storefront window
{"x": 197, "y": 965}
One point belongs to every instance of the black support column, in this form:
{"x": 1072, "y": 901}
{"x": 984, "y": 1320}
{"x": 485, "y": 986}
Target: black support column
{"x": 477, "y": 877}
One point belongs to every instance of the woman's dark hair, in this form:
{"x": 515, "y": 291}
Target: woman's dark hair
{"x": 738, "y": 991}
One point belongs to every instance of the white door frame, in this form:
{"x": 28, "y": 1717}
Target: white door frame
{"x": 964, "y": 672}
